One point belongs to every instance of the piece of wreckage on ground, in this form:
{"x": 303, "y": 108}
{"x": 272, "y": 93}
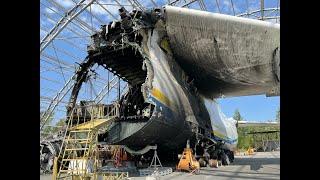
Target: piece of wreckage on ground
{"x": 176, "y": 62}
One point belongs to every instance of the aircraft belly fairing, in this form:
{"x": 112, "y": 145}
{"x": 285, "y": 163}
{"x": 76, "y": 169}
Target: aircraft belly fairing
{"x": 224, "y": 129}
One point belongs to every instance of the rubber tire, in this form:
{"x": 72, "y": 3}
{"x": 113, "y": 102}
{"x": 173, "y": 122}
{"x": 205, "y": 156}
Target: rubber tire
{"x": 225, "y": 159}
{"x": 230, "y": 154}
{"x": 202, "y": 162}
{"x": 213, "y": 165}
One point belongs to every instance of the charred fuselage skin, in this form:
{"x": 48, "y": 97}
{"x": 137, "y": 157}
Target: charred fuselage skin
{"x": 169, "y": 108}
{"x": 178, "y": 111}
{"x": 226, "y": 55}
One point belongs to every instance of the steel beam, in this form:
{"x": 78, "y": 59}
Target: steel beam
{"x": 262, "y": 8}
{"x": 257, "y": 11}
{"x": 64, "y": 21}
{"x": 56, "y": 100}
{"x": 105, "y": 90}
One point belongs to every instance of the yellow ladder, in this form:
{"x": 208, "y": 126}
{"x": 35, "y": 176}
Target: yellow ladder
{"x": 79, "y": 159}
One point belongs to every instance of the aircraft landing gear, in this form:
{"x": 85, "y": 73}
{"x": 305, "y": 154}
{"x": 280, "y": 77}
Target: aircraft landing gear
{"x": 225, "y": 159}
{"x": 231, "y": 156}
{"x": 202, "y": 162}
{"x": 213, "y": 163}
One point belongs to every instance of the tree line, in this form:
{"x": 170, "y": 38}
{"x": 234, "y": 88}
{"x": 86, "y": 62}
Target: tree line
{"x": 246, "y": 140}
{"x": 50, "y": 127}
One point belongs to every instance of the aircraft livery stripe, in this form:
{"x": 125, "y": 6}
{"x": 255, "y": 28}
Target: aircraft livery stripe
{"x": 161, "y": 97}
{"x": 224, "y": 138}
{"x": 234, "y": 141}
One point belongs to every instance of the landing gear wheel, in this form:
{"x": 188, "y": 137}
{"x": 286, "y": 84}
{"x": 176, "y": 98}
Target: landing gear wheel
{"x": 202, "y": 162}
{"x": 225, "y": 159}
{"x": 231, "y": 156}
{"x": 213, "y": 163}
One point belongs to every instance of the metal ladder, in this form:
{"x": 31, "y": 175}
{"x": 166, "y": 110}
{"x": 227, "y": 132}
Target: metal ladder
{"x": 79, "y": 157}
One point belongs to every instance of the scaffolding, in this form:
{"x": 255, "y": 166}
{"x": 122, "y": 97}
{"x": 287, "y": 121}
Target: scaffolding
{"x": 79, "y": 153}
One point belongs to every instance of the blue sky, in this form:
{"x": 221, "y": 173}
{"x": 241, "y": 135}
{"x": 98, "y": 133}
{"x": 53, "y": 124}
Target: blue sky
{"x": 257, "y": 108}
{"x": 252, "y": 108}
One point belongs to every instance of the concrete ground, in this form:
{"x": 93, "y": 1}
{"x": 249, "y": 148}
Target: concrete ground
{"x": 261, "y": 165}
{"x": 45, "y": 177}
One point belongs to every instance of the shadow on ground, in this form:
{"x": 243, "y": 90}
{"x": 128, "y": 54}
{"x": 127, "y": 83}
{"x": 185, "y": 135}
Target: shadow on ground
{"x": 257, "y": 163}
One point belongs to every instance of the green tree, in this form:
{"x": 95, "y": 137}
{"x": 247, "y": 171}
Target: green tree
{"x": 58, "y": 126}
{"x": 237, "y": 116}
{"x": 47, "y": 128}
{"x": 61, "y": 122}
{"x": 50, "y": 127}
{"x": 244, "y": 140}
{"x": 278, "y": 115}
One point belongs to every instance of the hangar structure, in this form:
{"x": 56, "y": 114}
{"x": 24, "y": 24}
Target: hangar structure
{"x": 66, "y": 27}
{"x": 165, "y": 66}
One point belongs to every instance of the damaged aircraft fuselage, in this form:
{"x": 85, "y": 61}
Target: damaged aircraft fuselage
{"x": 174, "y": 60}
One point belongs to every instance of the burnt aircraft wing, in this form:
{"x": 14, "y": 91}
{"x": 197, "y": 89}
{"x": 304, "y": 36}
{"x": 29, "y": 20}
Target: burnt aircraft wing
{"x": 225, "y": 55}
